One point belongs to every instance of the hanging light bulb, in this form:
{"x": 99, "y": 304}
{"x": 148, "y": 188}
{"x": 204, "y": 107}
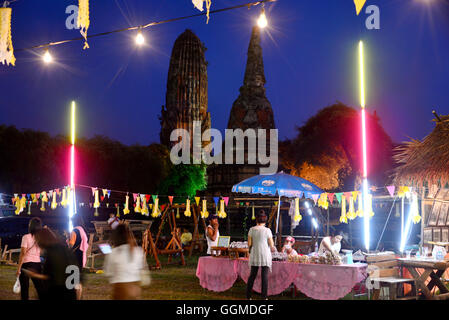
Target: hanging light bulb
{"x": 47, "y": 57}
{"x": 262, "y": 22}
{"x": 140, "y": 40}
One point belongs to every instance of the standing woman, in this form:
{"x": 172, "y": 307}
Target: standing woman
{"x": 79, "y": 244}
{"x": 30, "y": 258}
{"x": 260, "y": 243}
{"x": 125, "y": 265}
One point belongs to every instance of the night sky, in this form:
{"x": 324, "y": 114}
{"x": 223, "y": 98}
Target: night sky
{"x": 310, "y": 54}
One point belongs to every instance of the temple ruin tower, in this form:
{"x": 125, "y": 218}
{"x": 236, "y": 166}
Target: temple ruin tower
{"x": 251, "y": 109}
{"x": 186, "y": 98}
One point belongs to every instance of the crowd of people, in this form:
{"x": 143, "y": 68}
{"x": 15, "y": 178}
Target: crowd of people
{"x": 55, "y": 264}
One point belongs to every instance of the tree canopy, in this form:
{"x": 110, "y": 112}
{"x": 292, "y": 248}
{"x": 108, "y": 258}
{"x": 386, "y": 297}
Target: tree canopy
{"x": 328, "y": 149}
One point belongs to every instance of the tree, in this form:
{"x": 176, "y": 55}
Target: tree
{"x": 184, "y": 180}
{"x": 328, "y": 149}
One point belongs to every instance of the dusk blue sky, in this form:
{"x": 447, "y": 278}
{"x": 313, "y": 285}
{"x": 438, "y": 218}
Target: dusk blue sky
{"x": 310, "y": 54}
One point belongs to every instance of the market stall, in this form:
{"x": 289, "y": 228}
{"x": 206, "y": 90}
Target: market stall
{"x": 316, "y": 280}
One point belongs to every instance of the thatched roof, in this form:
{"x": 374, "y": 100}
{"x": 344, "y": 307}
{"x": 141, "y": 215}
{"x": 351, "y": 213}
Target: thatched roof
{"x": 425, "y": 162}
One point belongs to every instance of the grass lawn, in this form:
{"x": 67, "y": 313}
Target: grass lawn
{"x": 173, "y": 282}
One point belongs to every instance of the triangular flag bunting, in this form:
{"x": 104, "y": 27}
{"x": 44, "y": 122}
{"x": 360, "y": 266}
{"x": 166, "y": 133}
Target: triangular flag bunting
{"x": 197, "y": 200}
{"x": 170, "y": 198}
{"x": 391, "y": 190}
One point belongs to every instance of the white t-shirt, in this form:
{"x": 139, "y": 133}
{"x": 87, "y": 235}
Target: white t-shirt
{"x": 335, "y": 247}
{"x": 123, "y": 265}
{"x": 210, "y": 242}
{"x": 260, "y": 254}
{"x": 113, "y": 222}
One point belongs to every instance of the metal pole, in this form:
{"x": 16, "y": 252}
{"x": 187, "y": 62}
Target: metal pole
{"x": 277, "y": 220}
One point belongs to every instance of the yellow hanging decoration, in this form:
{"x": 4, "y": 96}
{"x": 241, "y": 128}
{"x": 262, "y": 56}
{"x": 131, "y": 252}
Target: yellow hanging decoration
{"x": 6, "y": 48}
{"x": 33, "y": 198}
{"x": 137, "y": 207}
{"x": 43, "y": 199}
{"x": 322, "y": 201}
{"x": 54, "y": 204}
{"x": 402, "y": 191}
{"x": 297, "y": 217}
{"x": 221, "y": 212}
{"x": 253, "y": 216}
{"x": 156, "y": 212}
{"x": 204, "y": 212}
{"x": 414, "y": 211}
{"x": 126, "y": 208}
{"x": 199, "y": 5}
{"x": 64, "y": 198}
{"x": 351, "y": 212}
{"x": 96, "y": 203}
{"x": 18, "y": 206}
{"x": 144, "y": 210}
{"x": 370, "y": 205}
{"x": 359, "y": 211}
{"x": 197, "y": 200}
{"x": 177, "y": 213}
{"x": 187, "y": 213}
{"x": 29, "y": 208}
{"x": 83, "y": 20}
{"x": 118, "y": 211}
{"x": 343, "y": 218}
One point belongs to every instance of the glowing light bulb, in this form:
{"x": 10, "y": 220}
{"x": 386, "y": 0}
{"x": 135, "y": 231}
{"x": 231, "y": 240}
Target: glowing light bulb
{"x": 47, "y": 57}
{"x": 262, "y": 21}
{"x": 140, "y": 40}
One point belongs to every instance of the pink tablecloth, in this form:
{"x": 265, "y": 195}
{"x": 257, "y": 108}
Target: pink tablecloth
{"x": 323, "y": 282}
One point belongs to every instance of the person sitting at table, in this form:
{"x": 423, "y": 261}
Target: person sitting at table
{"x": 331, "y": 244}
{"x": 288, "y": 246}
{"x": 186, "y": 237}
{"x": 212, "y": 233}
{"x": 113, "y": 221}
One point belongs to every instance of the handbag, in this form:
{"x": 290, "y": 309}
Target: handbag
{"x": 16, "y": 288}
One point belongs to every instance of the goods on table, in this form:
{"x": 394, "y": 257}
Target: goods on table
{"x": 315, "y": 258}
{"x": 279, "y": 256}
{"x": 239, "y": 244}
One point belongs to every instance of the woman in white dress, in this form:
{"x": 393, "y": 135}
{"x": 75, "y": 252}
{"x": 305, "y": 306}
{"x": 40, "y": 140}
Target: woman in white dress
{"x": 260, "y": 243}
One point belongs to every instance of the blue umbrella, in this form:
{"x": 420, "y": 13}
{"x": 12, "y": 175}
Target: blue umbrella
{"x": 278, "y": 184}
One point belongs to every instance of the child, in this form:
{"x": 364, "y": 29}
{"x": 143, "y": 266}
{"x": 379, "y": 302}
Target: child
{"x": 288, "y": 246}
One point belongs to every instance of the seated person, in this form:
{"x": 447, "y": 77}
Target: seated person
{"x": 186, "y": 237}
{"x": 331, "y": 244}
{"x": 288, "y": 246}
{"x": 113, "y": 221}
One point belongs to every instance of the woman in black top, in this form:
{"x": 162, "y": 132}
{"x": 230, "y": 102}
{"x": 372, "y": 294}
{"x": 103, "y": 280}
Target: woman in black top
{"x": 75, "y": 245}
{"x": 58, "y": 266}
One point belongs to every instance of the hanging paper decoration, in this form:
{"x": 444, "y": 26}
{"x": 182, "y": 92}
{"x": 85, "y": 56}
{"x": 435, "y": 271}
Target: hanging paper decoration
{"x": 343, "y": 217}
{"x": 402, "y": 191}
{"x": 6, "y": 48}
{"x": 253, "y": 216}
{"x": 96, "y": 202}
{"x": 297, "y": 217}
{"x": 44, "y": 200}
{"x": 416, "y": 218}
{"x": 144, "y": 210}
{"x": 391, "y": 190}
{"x": 315, "y": 197}
{"x": 197, "y": 200}
{"x": 370, "y": 205}
{"x": 126, "y": 208}
{"x": 331, "y": 197}
{"x": 322, "y": 201}
{"x": 187, "y": 213}
{"x": 156, "y": 212}
{"x": 199, "y": 5}
{"x": 137, "y": 207}
{"x": 64, "y": 198}
{"x": 29, "y": 207}
{"x": 351, "y": 212}
{"x": 54, "y": 204}
{"x": 359, "y": 211}
{"x": 148, "y": 197}
{"x": 170, "y": 198}
{"x": 338, "y": 196}
{"x": 177, "y": 213}
{"x": 221, "y": 212}
{"x": 226, "y": 200}
{"x": 105, "y": 192}
{"x": 204, "y": 212}
{"x": 83, "y": 20}
{"x": 33, "y": 198}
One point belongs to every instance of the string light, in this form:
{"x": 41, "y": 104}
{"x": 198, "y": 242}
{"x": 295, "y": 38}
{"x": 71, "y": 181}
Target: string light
{"x": 140, "y": 40}
{"x": 262, "y": 22}
{"x": 47, "y": 58}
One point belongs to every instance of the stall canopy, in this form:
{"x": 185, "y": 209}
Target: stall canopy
{"x": 279, "y": 184}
